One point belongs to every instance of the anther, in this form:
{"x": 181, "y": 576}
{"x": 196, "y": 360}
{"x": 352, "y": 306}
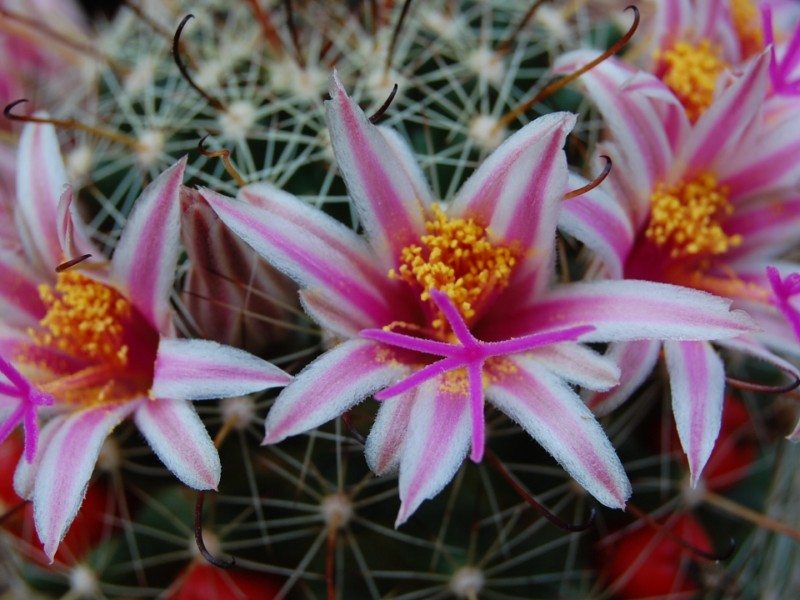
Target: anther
{"x": 226, "y": 161}
{"x": 554, "y": 519}
{"x": 594, "y": 183}
{"x": 176, "y": 55}
{"x": 198, "y": 536}
{"x": 555, "y": 86}
{"x": 384, "y": 107}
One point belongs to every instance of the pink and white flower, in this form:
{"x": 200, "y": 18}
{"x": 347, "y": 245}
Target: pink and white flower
{"x": 706, "y": 205}
{"x": 470, "y": 282}
{"x": 95, "y": 343}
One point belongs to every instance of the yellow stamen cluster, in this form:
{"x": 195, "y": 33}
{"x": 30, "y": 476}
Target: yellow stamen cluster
{"x": 85, "y": 319}
{"x": 456, "y": 257}
{"x": 747, "y": 21}
{"x": 687, "y": 217}
{"x": 691, "y": 72}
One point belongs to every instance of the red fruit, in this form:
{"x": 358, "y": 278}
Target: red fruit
{"x": 646, "y": 563}
{"x": 200, "y": 581}
{"x": 90, "y": 527}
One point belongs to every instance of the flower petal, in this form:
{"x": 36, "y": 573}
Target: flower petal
{"x": 434, "y": 447}
{"x": 599, "y": 221}
{"x": 636, "y": 361}
{"x": 329, "y": 386}
{"x": 20, "y": 303}
{"x": 379, "y": 179}
{"x": 25, "y": 474}
{"x": 178, "y": 437}
{"x": 578, "y": 364}
{"x": 516, "y": 192}
{"x": 697, "y": 380}
{"x": 387, "y": 436}
{"x": 624, "y": 310}
{"x": 143, "y": 266}
{"x": 720, "y": 128}
{"x": 553, "y": 414}
{"x": 312, "y": 248}
{"x": 41, "y": 177}
{"x": 71, "y": 235}
{"x": 202, "y": 369}
{"x": 66, "y": 467}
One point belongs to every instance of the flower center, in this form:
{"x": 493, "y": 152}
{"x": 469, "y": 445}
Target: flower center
{"x": 691, "y": 73}
{"x": 687, "y": 217}
{"x": 108, "y": 347}
{"x": 457, "y": 258}
{"x": 748, "y": 26}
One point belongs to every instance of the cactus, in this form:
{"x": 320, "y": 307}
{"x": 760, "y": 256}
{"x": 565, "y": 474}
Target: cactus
{"x": 240, "y": 89}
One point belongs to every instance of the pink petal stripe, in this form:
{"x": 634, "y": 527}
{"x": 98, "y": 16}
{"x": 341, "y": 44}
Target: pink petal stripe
{"x": 767, "y": 229}
{"x": 551, "y": 412}
{"x": 178, "y": 437}
{"x": 516, "y": 190}
{"x": 202, "y": 369}
{"x": 435, "y": 445}
{"x": 388, "y": 433}
{"x": 25, "y": 474}
{"x": 336, "y": 236}
{"x": 66, "y": 467}
{"x": 636, "y": 361}
{"x": 320, "y": 392}
{"x": 143, "y": 265}
{"x": 697, "y": 381}
{"x": 599, "y": 221}
{"x": 579, "y": 365}
{"x": 20, "y": 303}
{"x": 381, "y": 190}
{"x": 626, "y": 310}
{"x": 630, "y": 116}
{"x": 41, "y": 178}
{"x": 721, "y": 127}
{"x": 290, "y": 244}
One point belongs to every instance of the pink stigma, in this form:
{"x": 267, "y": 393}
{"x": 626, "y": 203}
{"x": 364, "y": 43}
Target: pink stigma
{"x": 29, "y": 399}
{"x": 470, "y": 354}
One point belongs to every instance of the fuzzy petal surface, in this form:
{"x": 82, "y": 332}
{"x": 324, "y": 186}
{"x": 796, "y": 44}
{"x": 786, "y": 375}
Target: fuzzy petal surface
{"x": 435, "y": 446}
{"x": 203, "y": 369}
{"x": 41, "y": 178}
{"x": 322, "y": 255}
{"x": 627, "y": 310}
{"x": 178, "y": 437}
{"x": 143, "y": 265}
{"x": 329, "y": 386}
{"x": 387, "y": 436}
{"x": 384, "y": 194}
{"x": 66, "y": 467}
{"x": 553, "y": 414}
{"x": 697, "y": 380}
{"x": 578, "y": 365}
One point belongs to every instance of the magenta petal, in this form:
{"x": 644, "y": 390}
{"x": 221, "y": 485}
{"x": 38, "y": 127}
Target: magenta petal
{"x": 697, "y": 381}
{"x": 143, "y": 266}
{"x": 178, "y": 437}
{"x": 323, "y": 256}
{"x": 41, "y": 178}
{"x": 322, "y": 392}
{"x": 25, "y": 474}
{"x": 202, "y": 369}
{"x": 66, "y": 467}
{"x": 388, "y": 433}
{"x": 551, "y": 412}
{"x": 386, "y": 198}
{"x": 435, "y": 446}
{"x": 71, "y": 235}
